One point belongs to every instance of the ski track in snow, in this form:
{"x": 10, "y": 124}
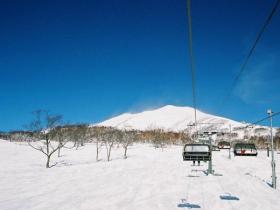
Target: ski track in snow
{"x": 148, "y": 179}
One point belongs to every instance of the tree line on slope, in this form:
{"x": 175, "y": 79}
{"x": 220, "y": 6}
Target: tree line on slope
{"x": 48, "y": 134}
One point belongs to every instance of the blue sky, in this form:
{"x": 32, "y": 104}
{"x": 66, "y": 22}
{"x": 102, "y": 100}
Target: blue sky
{"x": 91, "y": 60}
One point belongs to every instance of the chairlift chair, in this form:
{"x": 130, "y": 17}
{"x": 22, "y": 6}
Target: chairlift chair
{"x": 196, "y": 152}
{"x": 224, "y": 145}
{"x": 245, "y": 149}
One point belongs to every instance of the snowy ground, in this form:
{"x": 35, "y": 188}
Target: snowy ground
{"x": 148, "y": 179}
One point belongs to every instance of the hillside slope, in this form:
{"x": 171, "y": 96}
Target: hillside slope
{"x": 175, "y": 118}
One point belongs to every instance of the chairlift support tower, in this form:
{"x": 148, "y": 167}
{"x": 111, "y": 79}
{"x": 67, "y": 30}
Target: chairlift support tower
{"x": 229, "y": 151}
{"x": 210, "y": 166}
{"x": 273, "y": 165}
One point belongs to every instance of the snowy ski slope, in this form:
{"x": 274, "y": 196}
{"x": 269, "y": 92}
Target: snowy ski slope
{"x": 148, "y": 179}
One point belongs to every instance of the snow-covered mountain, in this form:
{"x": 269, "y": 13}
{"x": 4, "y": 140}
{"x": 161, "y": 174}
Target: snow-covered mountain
{"x": 175, "y": 118}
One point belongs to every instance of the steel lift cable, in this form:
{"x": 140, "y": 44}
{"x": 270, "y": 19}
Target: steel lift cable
{"x": 258, "y": 121}
{"x": 243, "y": 67}
{"x": 191, "y": 54}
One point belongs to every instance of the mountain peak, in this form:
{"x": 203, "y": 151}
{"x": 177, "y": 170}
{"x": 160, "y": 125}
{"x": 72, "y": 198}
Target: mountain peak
{"x": 178, "y": 118}
{"x": 168, "y": 117}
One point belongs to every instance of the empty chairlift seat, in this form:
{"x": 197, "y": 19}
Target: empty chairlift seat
{"x": 196, "y": 152}
{"x": 224, "y": 145}
{"x": 245, "y": 149}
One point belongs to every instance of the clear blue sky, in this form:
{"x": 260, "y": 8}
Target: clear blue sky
{"x": 91, "y": 60}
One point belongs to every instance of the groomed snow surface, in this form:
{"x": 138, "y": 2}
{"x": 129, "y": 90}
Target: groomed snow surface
{"x": 148, "y": 179}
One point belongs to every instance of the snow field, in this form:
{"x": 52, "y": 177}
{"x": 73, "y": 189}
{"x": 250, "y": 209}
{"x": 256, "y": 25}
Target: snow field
{"x": 148, "y": 179}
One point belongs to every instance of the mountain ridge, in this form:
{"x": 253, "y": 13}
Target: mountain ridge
{"x": 168, "y": 118}
{"x": 172, "y": 118}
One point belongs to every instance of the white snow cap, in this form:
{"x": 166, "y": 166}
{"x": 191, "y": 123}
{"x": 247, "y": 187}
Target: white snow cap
{"x": 168, "y": 118}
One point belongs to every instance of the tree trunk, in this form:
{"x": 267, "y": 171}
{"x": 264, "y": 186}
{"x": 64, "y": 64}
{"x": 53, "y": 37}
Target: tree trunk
{"x": 108, "y": 157}
{"x": 125, "y": 150}
{"x": 108, "y": 154}
{"x": 58, "y": 153}
{"x": 109, "y": 151}
{"x": 48, "y": 162}
{"x": 97, "y": 151}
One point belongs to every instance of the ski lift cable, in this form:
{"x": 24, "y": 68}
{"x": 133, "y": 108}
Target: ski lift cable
{"x": 274, "y": 114}
{"x": 261, "y": 120}
{"x": 201, "y": 123}
{"x": 191, "y": 54}
{"x": 258, "y": 37}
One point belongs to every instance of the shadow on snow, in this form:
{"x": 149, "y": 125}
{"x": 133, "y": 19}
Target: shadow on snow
{"x": 185, "y": 204}
{"x": 229, "y": 197}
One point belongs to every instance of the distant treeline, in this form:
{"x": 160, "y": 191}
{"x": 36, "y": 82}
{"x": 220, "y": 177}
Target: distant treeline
{"x": 83, "y": 133}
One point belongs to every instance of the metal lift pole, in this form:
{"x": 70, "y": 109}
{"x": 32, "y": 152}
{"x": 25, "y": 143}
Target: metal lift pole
{"x": 210, "y": 170}
{"x": 229, "y": 151}
{"x": 273, "y": 165}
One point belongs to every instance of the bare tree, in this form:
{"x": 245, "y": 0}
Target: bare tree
{"x": 158, "y": 138}
{"x": 62, "y": 136}
{"x": 44, "y": 134}
{"x": 109, "y": 138}
{"x": 127, "y": 138}
{"x": 185, "y": 137}
{"x": 96, "y": 135}
{"x": 75, "y": 136}
{"x": 81, "y": 134}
